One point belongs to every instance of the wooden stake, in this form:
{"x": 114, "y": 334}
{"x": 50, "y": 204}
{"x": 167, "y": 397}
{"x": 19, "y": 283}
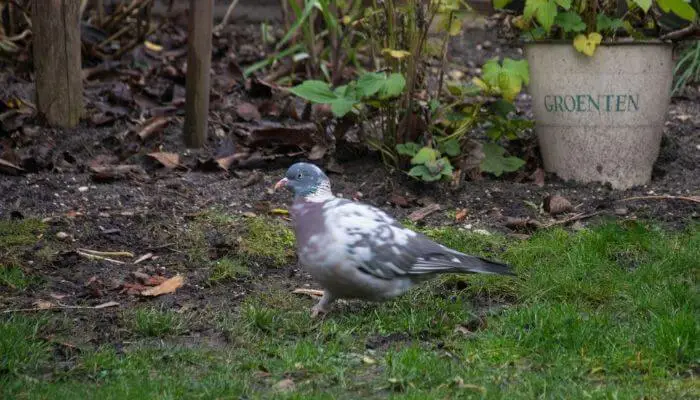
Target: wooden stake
{"x": 198, "y": 66}
{"x": 59, "y": 85}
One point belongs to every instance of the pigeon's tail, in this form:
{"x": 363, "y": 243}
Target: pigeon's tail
{"x": 473, "y": 264}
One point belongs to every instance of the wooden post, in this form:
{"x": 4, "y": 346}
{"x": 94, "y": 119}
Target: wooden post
{"x": 57, "y": 62}
{"x": 198, "y": 66}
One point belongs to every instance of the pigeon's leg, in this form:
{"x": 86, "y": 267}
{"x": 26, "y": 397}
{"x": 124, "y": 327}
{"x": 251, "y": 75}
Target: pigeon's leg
{"x": 323, "y": 306}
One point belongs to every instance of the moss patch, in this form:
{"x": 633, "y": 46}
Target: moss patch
{"x": 20, "y": 232}
{"x": 269, "y": 239}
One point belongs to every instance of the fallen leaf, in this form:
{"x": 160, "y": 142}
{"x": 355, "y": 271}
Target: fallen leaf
{"x": 143, "y": 258}
{"x": 424, "y": 212}
{"x": 152, "y": 46}
{"x": 153, "y": 126}
{"x": 248, "y": 112}
{"x": 105, "y": 173}
{"x": 461, "y": 215}
{"x": 285, "y": 385}
{"x": 317, "y": 152}
{"x": 155, "y": 280}
{"x": 368, "y": 360}
{"x": 538, "y": 177}
{"x": 133, "y": 288}
{"x": 169, "y": 286}
{"x": 398, "y": 200}
{"x": 557, "y": 204}
{"x": 10, "y": 168}
{"x": 43, "y": 304}
{"x": 168, "y": 160}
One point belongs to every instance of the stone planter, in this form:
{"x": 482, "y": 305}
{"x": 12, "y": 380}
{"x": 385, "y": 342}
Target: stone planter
{"x": 600, "y": 118}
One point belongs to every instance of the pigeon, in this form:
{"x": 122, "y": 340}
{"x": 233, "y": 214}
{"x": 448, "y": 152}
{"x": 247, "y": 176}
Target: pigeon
{"x": 357, "y": 251}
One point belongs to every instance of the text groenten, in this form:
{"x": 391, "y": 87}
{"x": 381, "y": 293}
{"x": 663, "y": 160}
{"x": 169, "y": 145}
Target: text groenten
{"x": 589, "y": 103}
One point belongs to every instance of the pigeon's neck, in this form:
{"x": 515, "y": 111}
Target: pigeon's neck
{"x": 322, "y": 193}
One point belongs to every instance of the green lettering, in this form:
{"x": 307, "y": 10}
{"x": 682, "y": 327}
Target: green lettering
{"x": 593, "y": 103}
{"x": 633, "y": 101}
{"x": 558, "y": 103}
{"x": 549, "y": 106}
{"x": 579, "y": 102}
{"x": 618, "y": 103}
{"x": 607, "y": 101}
{"x": 573, "y": 103}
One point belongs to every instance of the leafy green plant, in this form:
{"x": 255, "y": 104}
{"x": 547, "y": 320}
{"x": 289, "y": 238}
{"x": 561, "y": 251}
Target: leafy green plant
{"x": 429, "y": 164}
{"x": 372, "y": 88}
{"x": 589, "y": 22}
{"x": 687, "y": 68}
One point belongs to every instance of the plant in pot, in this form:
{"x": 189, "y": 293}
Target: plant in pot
{"x": 601, "y": 76}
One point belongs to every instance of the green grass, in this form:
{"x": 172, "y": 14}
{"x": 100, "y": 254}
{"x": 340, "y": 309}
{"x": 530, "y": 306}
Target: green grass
{"x": 227, "y": 269}
{"x": 606, "y": 313}
{"x": 154, "y": 322}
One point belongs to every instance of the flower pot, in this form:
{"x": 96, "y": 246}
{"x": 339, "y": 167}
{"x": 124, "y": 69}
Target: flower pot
{"x": 600, "y": 118}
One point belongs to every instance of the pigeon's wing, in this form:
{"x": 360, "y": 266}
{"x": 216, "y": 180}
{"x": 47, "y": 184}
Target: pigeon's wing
{"x": 385, "y": 249}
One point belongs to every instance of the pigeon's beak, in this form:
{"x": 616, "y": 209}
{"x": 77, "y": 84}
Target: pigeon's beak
{"x": 282, "y": 183}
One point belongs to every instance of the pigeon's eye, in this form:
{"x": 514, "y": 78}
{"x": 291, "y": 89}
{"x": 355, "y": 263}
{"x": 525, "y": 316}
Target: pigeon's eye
{"x": 299, "y": 176}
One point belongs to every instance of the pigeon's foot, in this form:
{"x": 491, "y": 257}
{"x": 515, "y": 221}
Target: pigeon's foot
{"x": 317, "y": 311}
{"x": 323, "y": 306}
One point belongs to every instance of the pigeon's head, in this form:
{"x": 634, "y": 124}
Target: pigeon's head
{"x": 306, "y": 180}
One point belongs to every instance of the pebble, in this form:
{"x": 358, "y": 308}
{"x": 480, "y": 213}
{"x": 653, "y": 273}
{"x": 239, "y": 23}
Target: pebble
{"x": 83, "y": 189}
{"x": 621, "y": 211}
{"x": 62, "y": 236}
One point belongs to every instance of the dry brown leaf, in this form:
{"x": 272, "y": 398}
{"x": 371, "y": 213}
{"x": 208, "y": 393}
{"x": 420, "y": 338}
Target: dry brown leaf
{"x": 248, "y": 112}
{"x": 538, "y": 177}
{"x": 398, "y": 200}
{"x": 153, "y": 126}
{"x": 168, "y": 160}
{"x": 461, "y": 215}
{"x": 169, "y": 286}
{"x": 557, "y": 204}
{"x": 43, "y": 304}
{"x": 9, "y": 167}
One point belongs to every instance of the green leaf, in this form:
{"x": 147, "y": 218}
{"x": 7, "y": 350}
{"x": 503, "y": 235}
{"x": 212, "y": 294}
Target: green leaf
{"x": 447, "y": 169}
{"x": 500, "y": 4}
{"x": 603, "y": 23}
{"x": 678, "y": 7}
{"x": 419, "y": 171}
{"x": 495, "y": 163}
{"x": 537, "y": 33}
{"x": 520, "y": 68}
{"x": 424, "y": 155}
{"x": 314, "y": 91}
{"x": 490, "y": 73}
{"x": 407, "y": 149}
{"x": 565, "y": 4}
{"x": 502, "y": 108}
{"x": 470, "y": 89}
{"x": 342, "y": 106}
{"x": 370, "y": 83}
{"x": 433, "y": 104}
{"x": 510, "y": 84}
{"x": 570, "y": 22}
{"x": 450, "y": 147}
{"x": 393, "y": 86}
{"x": 546, "y": 14}
{"x": 644, "y": 4}
{"x": 531, "y": 7}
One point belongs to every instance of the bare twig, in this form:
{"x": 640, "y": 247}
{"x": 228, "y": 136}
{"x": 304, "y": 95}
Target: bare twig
{"x": 96, "y": 257}
{"x": 60, "y": 306}
{"x": 694, "y": 199}
{"x": 309, "y": 292}
{"x": 689, "y": 30}
{"x": 227, "y": 16}
{"x": 573, "y": 218}
{"x": 108, "y": 253}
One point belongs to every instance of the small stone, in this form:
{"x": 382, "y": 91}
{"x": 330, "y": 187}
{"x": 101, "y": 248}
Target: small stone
{"x": 621, "y": 211}
{"x": 479, "y": 47}
{"x": 487, "y": 44}
{"x": 62, "y": 236}
{"x": 83, "y": 189}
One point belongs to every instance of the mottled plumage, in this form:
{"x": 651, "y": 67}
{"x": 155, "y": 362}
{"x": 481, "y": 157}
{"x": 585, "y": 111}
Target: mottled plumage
{"x": 356, "y": 251}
